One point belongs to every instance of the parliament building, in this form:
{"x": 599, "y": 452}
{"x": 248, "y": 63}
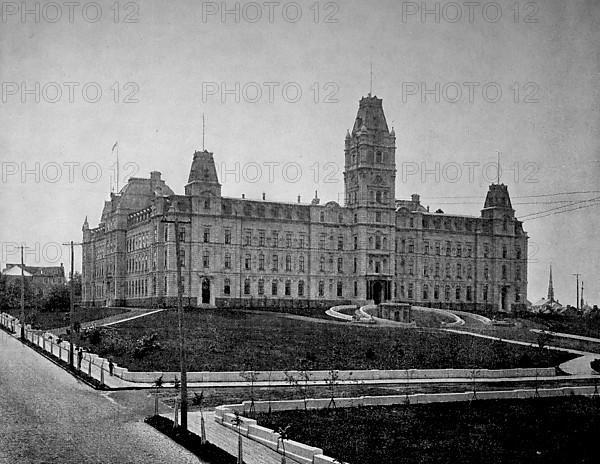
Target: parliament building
{"x": 238, "y": 252}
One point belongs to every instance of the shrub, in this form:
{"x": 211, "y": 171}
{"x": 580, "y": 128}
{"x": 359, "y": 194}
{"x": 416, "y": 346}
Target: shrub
{"x": 145, "y": 345}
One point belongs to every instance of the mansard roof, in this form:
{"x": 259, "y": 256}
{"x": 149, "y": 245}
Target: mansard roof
{"x": 370, "y": 116}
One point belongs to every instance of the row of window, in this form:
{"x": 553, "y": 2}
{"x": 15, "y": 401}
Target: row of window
{"x": 434, "y": 292}
{"x": 458, "y": 250}
{"x": 287, "y": 288}
{"x": 458, "y": 270}
{"x": 138, "y": 241}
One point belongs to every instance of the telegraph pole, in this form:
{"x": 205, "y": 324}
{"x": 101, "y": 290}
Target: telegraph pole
{"x": 22, "y": 296}
{"x": 577, "y": 275}
{"x": 71, "y": 303}
{"x": 182, "y": 360}
{"x": 22, "y": 316}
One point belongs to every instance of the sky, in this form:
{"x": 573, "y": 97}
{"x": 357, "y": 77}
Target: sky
{"x": 278, "y": 84}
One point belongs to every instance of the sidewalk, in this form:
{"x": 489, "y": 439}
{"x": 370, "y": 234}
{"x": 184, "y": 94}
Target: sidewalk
{"x": 227, "y": 439}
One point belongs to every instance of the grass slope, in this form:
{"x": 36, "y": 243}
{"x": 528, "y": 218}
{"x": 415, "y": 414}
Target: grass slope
{"x": 225, "y": 340}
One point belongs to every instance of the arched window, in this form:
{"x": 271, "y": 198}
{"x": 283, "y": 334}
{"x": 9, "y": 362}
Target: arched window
{"x": 425, "y": 292}
{"x": 301, "y": 288}
{"x": 227, "y": 287}
{"x": 457, "y": 293}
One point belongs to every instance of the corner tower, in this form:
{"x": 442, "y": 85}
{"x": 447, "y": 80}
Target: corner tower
{"x": 370, "y": 158}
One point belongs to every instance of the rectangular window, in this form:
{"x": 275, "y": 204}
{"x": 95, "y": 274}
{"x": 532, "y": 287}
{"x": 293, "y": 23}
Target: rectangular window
{"x": 248, "y": 262}
{"x": 301, "y": 241}
{"x": 247, "y": 287}
{"x": 340, "y": 245}
{"x": 288, "y": 240}
{"x": 275, "y": 238}
{"x": 340, "y": 265}
{"x": 261, "y": 287}
{"x": 261, "y": 262}
{"x": 205, "y": 259}
{"x": 321, "y": 288}
{"x": 275, "y": 263}
{"x": 227, "y": 236}
{"x": 322, "y": 241}
{"x": 274, "y": 288}
{"x": 301, "y": 264}
{"x": 377, "y": 216}
{"x": 227, "y": 287}
{"x": 227, "y": 261}
{"x": 206, "y": 234}
{"x": 288, "y": 288}
{"x": 261, "y": 238}
{"x": 340, "y": 289}
{"x": 248, "y": 237}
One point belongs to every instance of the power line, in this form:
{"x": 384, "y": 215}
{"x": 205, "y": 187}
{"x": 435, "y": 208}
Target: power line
{"x": 560, "y": 207}
{"x": 565, "y": 211}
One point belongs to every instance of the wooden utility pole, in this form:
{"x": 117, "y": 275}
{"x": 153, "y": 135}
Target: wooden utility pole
{"x": 22, "y": 296}
{"x": 71, "y": 303}
{"x": 182, "y": 358}
{"x": 577, "y": 303}
{"x": 22, "y": 315}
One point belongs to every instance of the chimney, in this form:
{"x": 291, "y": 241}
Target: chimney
{"x": 243, "y": 196}
{"x": 298, "y": 198}
{"x": 155, "y": 175}
{"x": 263, "y": 196}
{"x": 415, "y": 198}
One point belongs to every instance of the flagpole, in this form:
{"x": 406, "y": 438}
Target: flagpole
{"x": 117, "y": 168}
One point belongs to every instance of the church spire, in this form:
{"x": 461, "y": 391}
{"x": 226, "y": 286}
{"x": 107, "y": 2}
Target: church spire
{"x": 550, "y": 287}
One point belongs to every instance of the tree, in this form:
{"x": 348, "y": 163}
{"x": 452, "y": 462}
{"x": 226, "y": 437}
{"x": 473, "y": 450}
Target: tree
{"x": 197, "y": 401}
{"x": 282, "y": 436}
{"x": 332, "y": 382}
{"x": 58, "y": 298}
{"x": 542, "y": 339}
{"x": 251, "y": 376}
{"x": 158, "y": 383}
{"x": 237, "y": 422}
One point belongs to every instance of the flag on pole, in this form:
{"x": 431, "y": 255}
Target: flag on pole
{"x": 115, "y": 146}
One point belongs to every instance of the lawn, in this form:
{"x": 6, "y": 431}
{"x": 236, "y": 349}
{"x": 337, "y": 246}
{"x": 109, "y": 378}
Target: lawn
{"x": 586, "y": 326}
{"x": 46, "y": 320}
{"x": 548, "y": 430}
{"x": 229, "y": 340}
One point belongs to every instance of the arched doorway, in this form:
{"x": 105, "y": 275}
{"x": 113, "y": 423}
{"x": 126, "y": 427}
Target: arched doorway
{"x": 205, "y": 291}
{"x": 377, "y": 290}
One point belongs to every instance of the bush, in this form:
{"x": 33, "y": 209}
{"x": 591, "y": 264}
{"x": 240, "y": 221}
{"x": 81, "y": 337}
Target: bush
{"x": 145, "y": 345}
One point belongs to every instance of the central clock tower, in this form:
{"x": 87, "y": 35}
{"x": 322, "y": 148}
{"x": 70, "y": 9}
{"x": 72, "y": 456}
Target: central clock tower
{"x": 370, "y": 164}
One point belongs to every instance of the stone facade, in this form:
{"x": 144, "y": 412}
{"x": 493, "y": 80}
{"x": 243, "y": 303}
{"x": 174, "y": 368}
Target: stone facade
{"x": 249, "y": 253}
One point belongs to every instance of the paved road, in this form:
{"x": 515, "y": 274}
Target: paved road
{"x": 47, "y": 416}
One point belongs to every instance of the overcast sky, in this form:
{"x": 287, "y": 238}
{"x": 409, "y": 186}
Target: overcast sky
{"x": 522, "y": 80}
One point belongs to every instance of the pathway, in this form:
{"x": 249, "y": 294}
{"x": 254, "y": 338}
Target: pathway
{"x": 227, "y": 439}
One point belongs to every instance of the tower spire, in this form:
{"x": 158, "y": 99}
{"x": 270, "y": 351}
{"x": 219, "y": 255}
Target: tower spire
{"x": 550, "y": 287}
{"x": 371, "y": 81}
